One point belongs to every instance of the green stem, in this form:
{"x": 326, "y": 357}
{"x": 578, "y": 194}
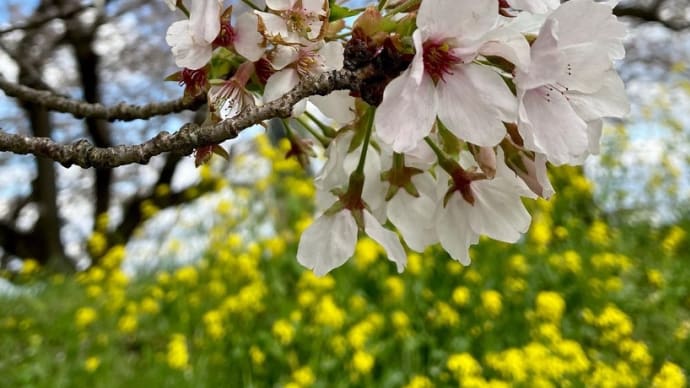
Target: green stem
{"x": 404, "y": 6}
{"x": 251, "y": 5}
{"x": 444, "y": 160}
{"x": 398, "y": 161}
{"x": 324, "y": 142}
{"x": 182, "y": 8}
{"x": 382, "y": 3}
{"x": 328, "y": 131}
{"x": 369, "y": 124}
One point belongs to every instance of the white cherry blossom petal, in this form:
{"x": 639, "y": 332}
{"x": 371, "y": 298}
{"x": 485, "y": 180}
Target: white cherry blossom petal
{"x": 328, "y": 242}
{"x": 549, "y": 125}
{"x": 535, "y": 6}
{"x": 469, "y": 19}
{"x": 610, "y": 100}
{"x": 402, "y": 120}
{"x": 453, "y": 229}
{"x": 414, "y": 216}
{"x": 337, "y": 105}
{"x": 280, "y": 83}
{"x": 473, "y": 102}
{"x": 333, "y": 55}
{"x": 248, "y": 40}
{"x": 186, "y": 51}
{"x": 387, "y": 239}
{"x": 204, "y": 19}
{"x": 280, "y": 5}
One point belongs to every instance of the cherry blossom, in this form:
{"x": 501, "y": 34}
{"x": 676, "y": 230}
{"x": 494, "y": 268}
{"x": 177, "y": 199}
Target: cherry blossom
{"x": 192, "y": 41}
{"x": 294, "y": 20}
{"x": 469, "y": 98}
{"x": 491, "y": 207}
{"x": 571, "y": 83}
{"x": 459, "y": 108}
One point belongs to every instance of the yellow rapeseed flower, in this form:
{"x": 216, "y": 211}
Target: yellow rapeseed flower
{"x": 276, "y": 246}
{"x": 30, "y": 267}
{"x": 614, "y": 324}
{"x": 114, "y": 257}
{"x": 419, "y": 382}
{"x": 560, "y": 232}
{"x": 549, "y": 306}
{"x": 118, "y": 278}
{"x": 213, "y": 322}
{"x": 670, "y": 376}
{"x": 463, "y": 365}
{"x": 162, "y": 190}
{"x": 304, "y": 376}
{"x": 97, "y": 243}
{"x": 515, "y": 286}
{"x": 358, "y": 334}
{"x": 567, "y": 262}
{"x": 461, "y": 296}
{"x": 178, "y": 354}
{"x": 92, "y": 363}
{"x": 655, "y": 278}
{"x": 540, "y": 231}
{"x": 599, "y": 233}
{"x": 414, "y": 264}
{"x": 682, "y": 332}
{"x": 366, "y": 253}
{"x": 309, "y": 281}
{"x": 491, "y": 302}
{"x": 302, "y": 224}
{"x": 148, "y": 208}
{"x": 518, "y": 264}
{"x": 328, "y": 313}
{"x": 283, "y": 331}
{"x": 187, "y": 275}
{"x": 637, "y": 353}
{"x": 306, "y": 298}
{"x": 620, "y": 375}
{"x": 149, "y": 306}
{"x": 216, "y": 288}
{"x": 444, "y": 315}
{"x": 127, "y": 324}
{"x": 357, "y": 303}
{"x": 94, "y": 291}
{"x": 673, "y": 239}
{"x": 339, "y": 345}
{"x": 395, "y": 288}
{"x": 472, "y": 276}
{"x": 84, "y": 317}
{"x": 363, "y": 362}
{"x": 256, "y": 355}
{"x": 102, "y": 221}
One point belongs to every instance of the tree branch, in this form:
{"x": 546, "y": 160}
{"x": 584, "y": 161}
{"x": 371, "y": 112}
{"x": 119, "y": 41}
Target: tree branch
{"x": 185, "y": 140}
{"x": 79, "y": 109}
{"x": 39, "y": 20}
{"x": 649, "y": 13}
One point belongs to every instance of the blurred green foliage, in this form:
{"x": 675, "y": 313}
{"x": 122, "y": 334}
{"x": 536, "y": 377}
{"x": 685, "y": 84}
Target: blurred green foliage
{"x": 579, "y": 302}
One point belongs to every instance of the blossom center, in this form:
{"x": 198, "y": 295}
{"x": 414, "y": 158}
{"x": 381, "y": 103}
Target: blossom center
{"x": 226, "y": 36}
{"x": 307, "y": 63}
{"x": 299, "y": 20}
{"x": 438, "y": 59}
{"x": 193, "y": 80}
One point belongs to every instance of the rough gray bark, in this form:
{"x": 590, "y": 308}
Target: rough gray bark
{"x": 85, "y": 154}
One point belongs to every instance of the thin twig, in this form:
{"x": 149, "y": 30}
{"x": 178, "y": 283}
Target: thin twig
{"x": 79, "y": 109}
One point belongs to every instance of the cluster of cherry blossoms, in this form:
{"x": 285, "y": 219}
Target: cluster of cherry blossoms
{"x": 459, "y": 106}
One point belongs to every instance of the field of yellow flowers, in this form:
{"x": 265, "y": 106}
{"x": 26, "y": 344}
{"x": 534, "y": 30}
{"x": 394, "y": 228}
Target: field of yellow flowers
{"x": 579, "y": 303}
